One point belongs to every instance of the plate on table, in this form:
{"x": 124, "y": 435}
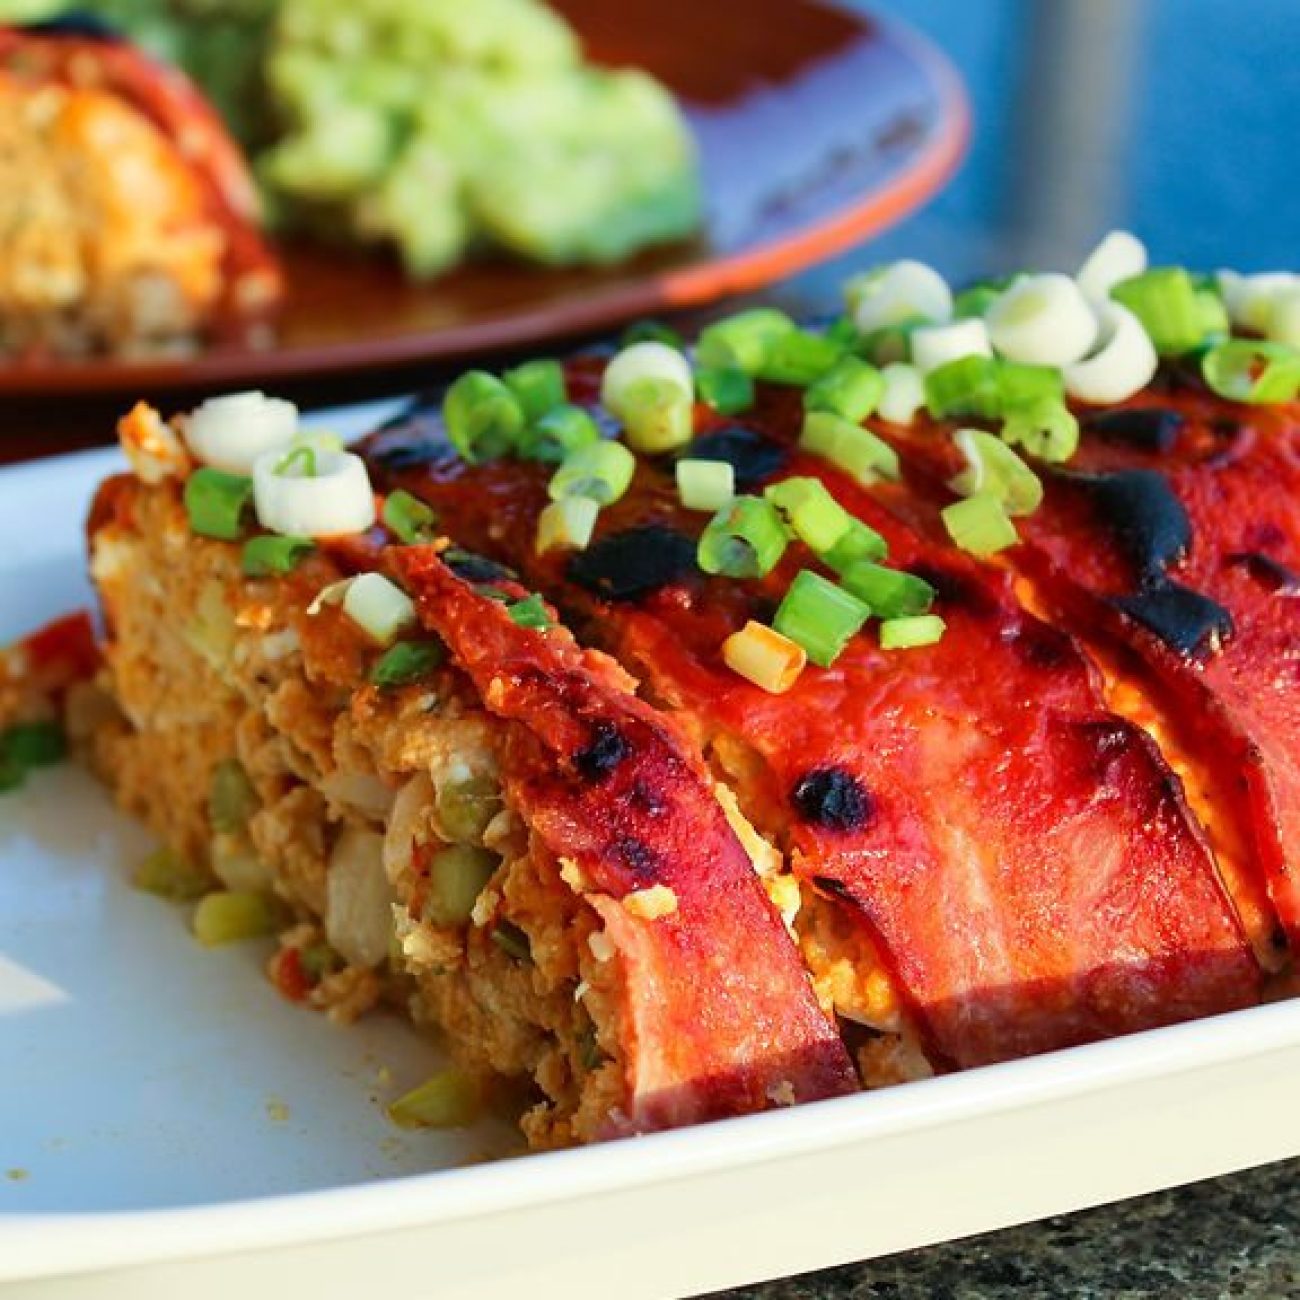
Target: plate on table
{"x": 169, "y": 1126}
{"x": 817, "y": 126}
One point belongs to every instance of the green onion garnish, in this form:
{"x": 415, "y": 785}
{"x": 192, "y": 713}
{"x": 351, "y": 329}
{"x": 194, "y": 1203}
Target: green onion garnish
{"x": 891, "y": 343}
{"x": 746, "y": 540}
{"x": 215, "y": 503}
{"x": 815, "y": 517}
{"x": 268, "y": 554}
{"x": 484, "y": 418}
{"x": 909, "y": 633}
{"x": 232, "y": 800}
{"x": 447, "y": 1100}
{"x": 742, "y": 342}
{"x": 167, "y": 875}
{"x": 530, "y": 612}
{"x": 567, "y": 524}
{"x": 1164, "y": 300}
{"x": 1212, "y": 314}
{"x": 554, "y": 435}
{"x": 458, "y": 874}
{"x": 33, "y": 744}
{"x": 891, "y": 593}
{"x": 705, "y": 484}
{"x": 844, "y": 332}
{"x": 658, "y": 415}
{"x": 1049, "y": 431}
{"x": 993, "y": 468}
{"x": 980, "y": 525}
{"x": 1024, "y": 388}
{"x": 652, "y": 331}
{"x": 406, "y": 662}
{"x": 819, "y": 616}
{"x": 850, "y": 389}
{"x": 976, "y": 299}
{"x": 231, "y": 916}
{"x": 602, "y": 471}
{"x": 408, "y": 518}
{"x": 969, "y": 388}
{"x": 1253, "y": 371}
{"x": 297, "y": 462}
{"x": 726, "y": 389}
{"x": 855, "y": 450}
{"x": 538, "y": 386}
{"x": 859, "y": 542}
{"x": 798, "y": 357}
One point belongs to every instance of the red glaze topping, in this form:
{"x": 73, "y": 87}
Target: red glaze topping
{"x": 1021, "y": 857}
{"x": 724, "y": 1019}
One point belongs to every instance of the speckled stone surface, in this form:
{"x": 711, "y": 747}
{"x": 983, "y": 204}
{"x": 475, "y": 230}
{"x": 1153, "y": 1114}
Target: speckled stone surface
{"x": 1234, "y": 1237}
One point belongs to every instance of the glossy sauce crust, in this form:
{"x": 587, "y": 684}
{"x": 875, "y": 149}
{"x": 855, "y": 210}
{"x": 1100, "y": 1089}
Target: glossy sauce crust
{"x": 1021, "y": 857}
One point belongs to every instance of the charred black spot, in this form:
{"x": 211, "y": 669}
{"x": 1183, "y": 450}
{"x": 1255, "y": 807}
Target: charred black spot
{"x": 752, "y": 455}
{"x": 957, "y": 591}
{"x": 470, "y": 567}
{"x": 1140, "y": 511}
{"x": 1268, "y": 572}
{"x": 632, "y": 564}
{"x": 833, "y": 888}
{"x": 76, "y": 23}
{"x": 1187, "y": 622}
{"x": 833, "y": 798}
{"x": 637, "y": 856}
{"x": 605, "y": 750}
{"x": 1148, "y": 428}
{"x": 1043, "y": 646}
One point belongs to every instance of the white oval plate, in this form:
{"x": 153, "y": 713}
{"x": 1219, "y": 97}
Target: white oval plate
{"x": 169, "y": 1126}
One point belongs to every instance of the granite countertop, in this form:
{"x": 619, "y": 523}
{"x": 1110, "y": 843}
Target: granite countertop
{"x": 1234, "y": 1237}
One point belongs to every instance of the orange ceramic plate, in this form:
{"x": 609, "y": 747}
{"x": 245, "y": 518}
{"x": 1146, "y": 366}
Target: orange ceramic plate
{"x": 817, "y": 127}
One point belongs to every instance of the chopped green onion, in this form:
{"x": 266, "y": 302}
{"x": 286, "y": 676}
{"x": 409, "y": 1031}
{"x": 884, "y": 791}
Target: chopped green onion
{"x": 814, "y": 516}
{"x": 658, "y": 415}
{"x": 457, "y": 876}
{"x": 1023, "y": 387}
{"x": 746, "y": 540}
{"x": 1253, "y": 371}
{"x": 484, "y": 418}
{"x": 267, "y": 555}
{"x": 993, "y": 468}
{"x": 378, "y": 606}
{"x": 466, "y": 806}
{"x": 530, "y": 612}
{"x": 844, "y": 332}
{"x": 232, "y": 800}
{"x": 512, "y": 941}
{"x": 554, "y": 435}
{"x": 447, "y": 1100}
{"x": 603, "y": 471}
{"x": 726, "y": 389}
{"x": 763, "y": 656}
{"x": 1212, "y": 314}
{"x": 298, "y": 462}
{"x": 891, "y": 593}
{"x": 850, "y": 389}
{"x": 742, "y": 341}
{"x": 167, "y": 875}
{"x": 231, "y": 916}
{"x": 799, "y": 357}
{"x": 980, "y": 525}
{"x": 408, "y": 518}
{"x": 969, "y": 387}
{"x": 859, "y": 542}
{"x": 406, "y": 662}
{"x": 891, "y": 344}
{"x": 909, "y": 633}
{"x": 1164, "y": 300}
{"x": 705, "y": 484}
{"x": 1049, "y": 431}
{"x": 567, "y": 524}
{"x": 538, "y": 386}
{"x": 33, "y": 744}
{"x": 216, "y": 502}
{"x": 819, "y": 616}
{"x": 652, "y": 331}
{"x": 976, "y": 299}
{"x": 849, "y": 447}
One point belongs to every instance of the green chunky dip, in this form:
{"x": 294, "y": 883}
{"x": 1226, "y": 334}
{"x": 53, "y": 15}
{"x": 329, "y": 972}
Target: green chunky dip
{"x": 435, "y": 127}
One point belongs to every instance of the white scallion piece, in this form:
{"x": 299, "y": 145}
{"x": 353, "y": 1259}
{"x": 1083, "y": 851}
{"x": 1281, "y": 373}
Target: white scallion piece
{"x": 380, "y": 608}
{"x": 896, "y": 294}
{"x": 1124, "y": 362}
{"x": 232, "y": 431}
{"x": 1284, "y": 317}
{"x": 1250, "y": 299}
{"x": 903, "y": 394}
{"x": 936, "y": 345}
{"x": 567, "y": 524}
{"x": 1119, "y": 256}
{"x": 309, "y": 493}
{"x": 1043, "y": 320}
{"x": 630, "y": 369}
